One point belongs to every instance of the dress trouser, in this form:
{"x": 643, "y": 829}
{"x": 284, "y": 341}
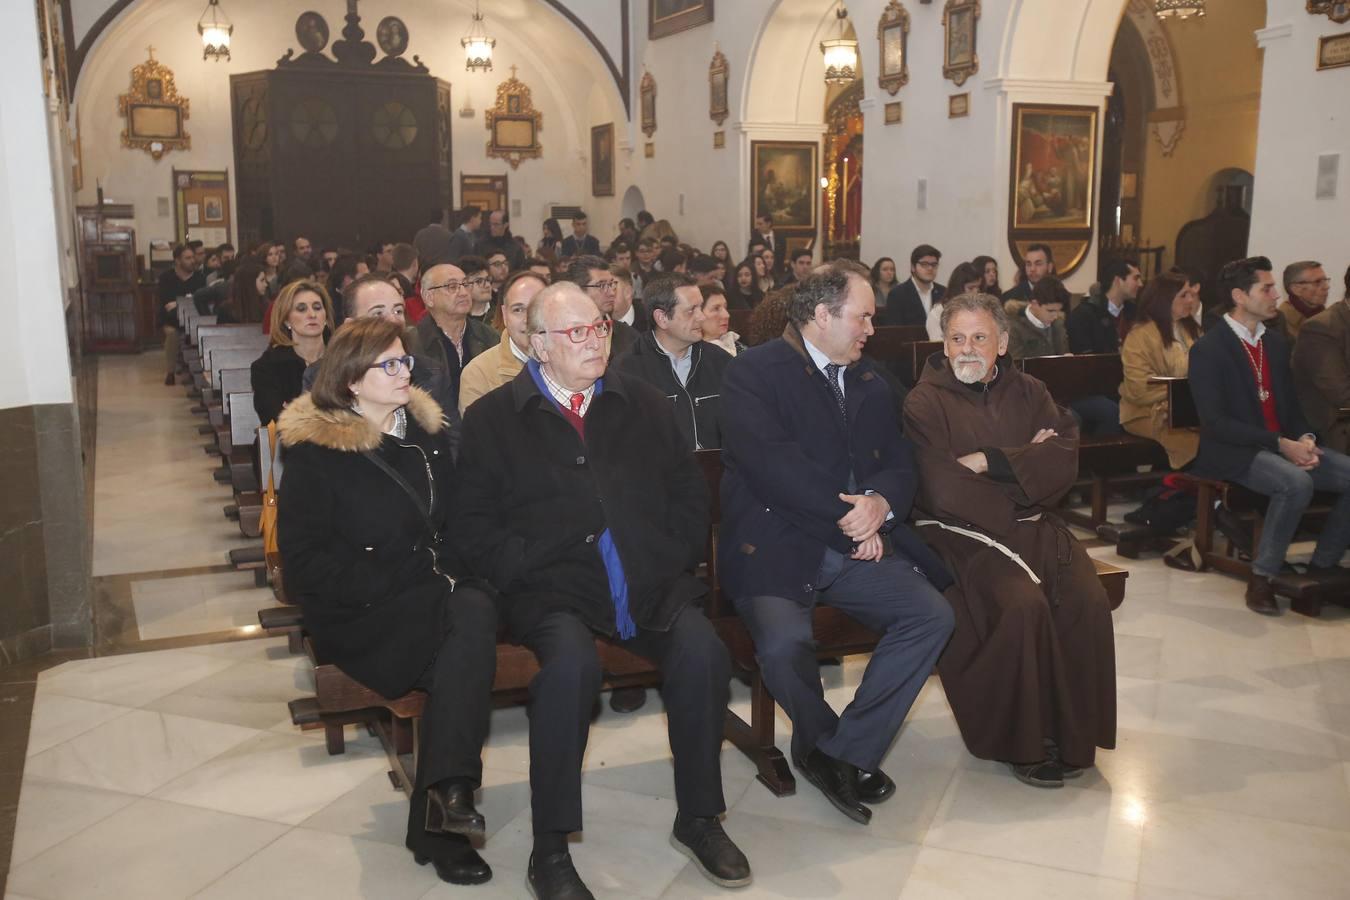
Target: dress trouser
{"x": 695, "y": 670}
{"x": 459, "y": 698}
{"x": 891, "y": 597}
{"x": 170, "y": 349}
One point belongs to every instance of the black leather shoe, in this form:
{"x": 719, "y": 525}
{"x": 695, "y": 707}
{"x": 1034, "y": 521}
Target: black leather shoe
{"x": 1044, "y": 774}
{"x": 838, "y": 781}
{"x": 626, "y": 700}
{"x": 1261, "y": 596}
{"x": 455, "y": 860}
{"x": 450, "y": 810}
{"x": 874, "y": 787}
{"x": 553, "y": 877}
{"x": 704, "y": 841}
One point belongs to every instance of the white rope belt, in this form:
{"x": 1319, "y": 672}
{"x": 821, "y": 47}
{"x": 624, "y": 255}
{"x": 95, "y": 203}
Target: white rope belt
{"x": 986, "y": 540}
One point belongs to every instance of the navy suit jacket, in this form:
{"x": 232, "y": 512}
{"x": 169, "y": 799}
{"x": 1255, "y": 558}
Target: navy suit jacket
{"x": 903, "y": 306}
{"x": 590, "y": 246}
{"x": 787, "y": 455}
{"x": 1232, "y": 428}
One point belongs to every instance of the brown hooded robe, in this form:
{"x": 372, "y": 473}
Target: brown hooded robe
{"x": 1026, "y": 662}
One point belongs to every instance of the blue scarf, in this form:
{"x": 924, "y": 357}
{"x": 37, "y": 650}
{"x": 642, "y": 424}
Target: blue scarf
{"x": 609, "y": 554}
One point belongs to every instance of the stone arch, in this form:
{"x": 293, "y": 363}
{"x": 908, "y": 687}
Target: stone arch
{"x": 633, "y": 202}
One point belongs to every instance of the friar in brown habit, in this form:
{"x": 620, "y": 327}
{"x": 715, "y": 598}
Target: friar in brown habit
{"x": 1030, "y": 670}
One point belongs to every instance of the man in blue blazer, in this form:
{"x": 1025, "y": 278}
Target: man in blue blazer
{"x": 1253, "y": 432}
{"x": 910, "y": 301}
{"x": 818, "y": 481}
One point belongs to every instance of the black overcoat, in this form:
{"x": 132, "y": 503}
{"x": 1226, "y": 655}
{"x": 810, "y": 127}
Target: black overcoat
{"x": 533, "y": 500}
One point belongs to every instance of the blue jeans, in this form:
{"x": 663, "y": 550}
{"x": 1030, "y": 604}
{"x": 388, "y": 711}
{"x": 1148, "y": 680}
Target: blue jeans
{"x": 890, "y": 597}
{"x": 1290, "y": 489}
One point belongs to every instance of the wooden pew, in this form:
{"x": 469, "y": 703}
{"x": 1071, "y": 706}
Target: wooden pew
{"x": 1110, "y": 461}
{"x": 1246, "y": 505}
{"x": 740, "y": 323}
{"x": 912, "y": 358}
{"x": 340, "y": 701}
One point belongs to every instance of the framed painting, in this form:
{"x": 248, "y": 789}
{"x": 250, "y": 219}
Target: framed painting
{"x": 959, "y": 59}
{"x": 667, "y": 17}
{"x": 647, "y": 103}
{"x": 1054, "y": 167}
{"x": 783, "y": 182}
{"x": 602, "y": 160}
{"x": 893, "y": 35}
{"x": 717, "y": 88}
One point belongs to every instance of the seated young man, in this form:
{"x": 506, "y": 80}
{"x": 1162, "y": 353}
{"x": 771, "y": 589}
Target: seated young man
{"x": 1252, "y": 431}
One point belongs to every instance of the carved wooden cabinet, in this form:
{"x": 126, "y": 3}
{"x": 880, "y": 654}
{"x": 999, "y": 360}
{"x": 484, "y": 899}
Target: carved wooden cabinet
{"x": 345, "y": 151}
{"x": 108, "y": 271}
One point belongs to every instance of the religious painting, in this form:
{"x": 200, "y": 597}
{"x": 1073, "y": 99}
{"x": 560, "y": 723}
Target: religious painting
{"x": 602, "y": 160}
{"x": 647, "y": 96}
{"x": 783, "y": 182}
{"x": 667, "y": 17}
{"x": 1054, "y": 166}
{"x": 959, "y": 59}
{"x": 1333, "y": 51}
{"x": 213, "y": 209}
{"x": 514, "y": 124}
{"x": 893, "y": 33}
{"x": 717, "y": 88}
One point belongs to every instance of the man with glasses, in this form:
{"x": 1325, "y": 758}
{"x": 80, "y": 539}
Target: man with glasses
{"x": 500, "y": 240}
{"x": 592, "y": 274}
{"x": 910, "y": 301}
{"x": 602, "y": 545}
{"x": 1306, "y": 288}
{"x": 1322, "y": 372}
{"x": 498, "y": 268}
{"x": 475, "y": 269}
{"x": 448, "y": 337}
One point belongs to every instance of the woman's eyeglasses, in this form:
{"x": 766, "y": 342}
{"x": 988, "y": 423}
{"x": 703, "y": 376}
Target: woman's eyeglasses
{"x": 393, "y": 366}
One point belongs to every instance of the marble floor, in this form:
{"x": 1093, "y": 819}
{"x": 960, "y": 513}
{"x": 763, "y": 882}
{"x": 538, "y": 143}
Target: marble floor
{"x": 176, "y": 773}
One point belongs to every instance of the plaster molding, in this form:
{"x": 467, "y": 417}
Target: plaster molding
{"x": 786, "y": 130}
{"x": 1083, "y": 90}
{"x": 1265, "y": 36}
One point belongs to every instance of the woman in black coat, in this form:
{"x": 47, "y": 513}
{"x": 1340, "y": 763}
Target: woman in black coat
{"x": 301, "y": 322}
{"x": 362, "y": 515}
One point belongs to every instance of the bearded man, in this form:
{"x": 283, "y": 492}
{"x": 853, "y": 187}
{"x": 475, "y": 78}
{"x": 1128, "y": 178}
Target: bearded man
{"x": 1030, "y": 670}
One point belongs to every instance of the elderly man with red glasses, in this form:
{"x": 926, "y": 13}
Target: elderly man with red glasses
{"x": 584, "y": 507}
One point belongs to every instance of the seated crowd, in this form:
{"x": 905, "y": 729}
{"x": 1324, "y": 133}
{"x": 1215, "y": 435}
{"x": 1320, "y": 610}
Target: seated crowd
{"x": 500, "y": 437}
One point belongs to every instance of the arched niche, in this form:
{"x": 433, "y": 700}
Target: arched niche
{"x": 633, "y": 202}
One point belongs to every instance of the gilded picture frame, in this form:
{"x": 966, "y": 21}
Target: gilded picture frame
{"x": 1337, "y": 11}
{"x": 784, "y": 183}
{"x": 960, "y": 60}
{"x": 1052, "y": 179}
{"x": 667, "y": 17}
{"x": 718, "y": 108}
{"x": 647, "y": 103}
{"x": 893, "y": 38}
{"x": 602, "y": 160}
{"x": 514, "y": 124}
{"x": 153, "y": 111}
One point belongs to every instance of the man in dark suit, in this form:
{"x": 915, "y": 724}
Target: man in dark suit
{"x": 910, "y": 301}
{"x": 1037, "y": 262}
{"x": 818, "y": 481}
{"x": 591, "y": 274}
{"x": 1252, "y": 431}
{"x": 1099, "y": 324}
{"x": 464, "y": 238}
{"x": 584, "y": 507}
{"x": 763, "y": 234}
{"x": 579, "y": 242}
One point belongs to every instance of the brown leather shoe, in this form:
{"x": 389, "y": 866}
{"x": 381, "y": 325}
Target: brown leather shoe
{"x": 1261, "y": 596}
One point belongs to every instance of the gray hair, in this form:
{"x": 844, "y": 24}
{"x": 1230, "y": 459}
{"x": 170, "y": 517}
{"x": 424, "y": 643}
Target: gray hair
{"x": 1293, "y": 271}
{"x": 534, "y": 316}
{"x": 426, "y": 281}
{"x": 977, "y": 303}
{"x": 829, "y": 287}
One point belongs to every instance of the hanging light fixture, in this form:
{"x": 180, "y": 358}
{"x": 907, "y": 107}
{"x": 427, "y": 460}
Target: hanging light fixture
{"x": 215, "y": 28}
{"x": 477, "y": 45}
{"x": 841, "y": 54}
{"x": 1179, "y": 9}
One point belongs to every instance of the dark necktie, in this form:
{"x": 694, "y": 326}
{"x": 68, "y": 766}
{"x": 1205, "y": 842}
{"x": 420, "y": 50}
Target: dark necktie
{"x": 832, "y": 376}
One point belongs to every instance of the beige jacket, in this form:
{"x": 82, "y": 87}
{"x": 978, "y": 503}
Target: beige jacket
{"x": 487, "y": 371}
{"x": 1143, "y": 406}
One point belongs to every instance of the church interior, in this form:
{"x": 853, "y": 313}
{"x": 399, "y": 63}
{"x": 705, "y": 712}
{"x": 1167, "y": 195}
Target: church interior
{"x": 167, "y": 728}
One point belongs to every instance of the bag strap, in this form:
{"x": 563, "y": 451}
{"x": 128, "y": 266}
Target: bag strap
{"x": 403, "y": 483}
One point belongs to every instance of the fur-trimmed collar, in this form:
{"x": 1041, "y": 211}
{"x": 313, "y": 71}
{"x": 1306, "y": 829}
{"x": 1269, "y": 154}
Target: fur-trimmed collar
{"x": 346, "y": 430}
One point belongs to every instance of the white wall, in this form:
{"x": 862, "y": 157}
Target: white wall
{"x": 571, "y": 86}
{"x": 34, "y": 361}
{"x": 1304, "y": 113}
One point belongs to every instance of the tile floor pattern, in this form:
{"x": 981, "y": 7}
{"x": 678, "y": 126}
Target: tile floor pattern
{"x": 176, "y": 774}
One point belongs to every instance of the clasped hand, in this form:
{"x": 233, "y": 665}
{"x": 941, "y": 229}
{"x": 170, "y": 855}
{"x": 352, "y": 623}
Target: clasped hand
{"x": 1303, "y": 452}
{"x": 860, "y": 524}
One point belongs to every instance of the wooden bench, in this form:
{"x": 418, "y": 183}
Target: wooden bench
{"x": 339, "y": 700}
{"x": 1108, "y": 462}
{"x": 911, "y": 359}
{"x": 1246, "y": 505}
